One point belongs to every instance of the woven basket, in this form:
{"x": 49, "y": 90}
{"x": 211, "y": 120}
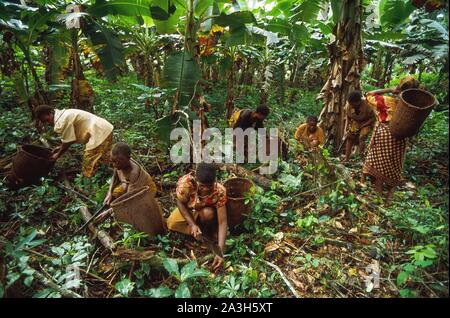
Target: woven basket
{"x": 140, "y": 209}
{"x": 237, "y": 210}
{"x": 31, "y": 163}
{"x": 412, "y": 109}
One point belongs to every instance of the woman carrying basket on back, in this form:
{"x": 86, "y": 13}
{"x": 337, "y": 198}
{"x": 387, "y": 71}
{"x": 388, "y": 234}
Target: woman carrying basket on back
{"x": 386, "y": 154}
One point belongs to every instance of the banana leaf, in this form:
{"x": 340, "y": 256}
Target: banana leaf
{"x": 108, "y": 48}
{"x": 182, "y": 72}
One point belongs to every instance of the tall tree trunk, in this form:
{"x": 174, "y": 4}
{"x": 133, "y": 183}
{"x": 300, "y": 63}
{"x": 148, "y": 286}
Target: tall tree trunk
{"x": 40, "y": 97}
{"x": 388, "y": 65}
{"x": 280, "y": 72}
{"x": 229, "y": 103}
{"x": 82, "y": 95}
{"x": 377, "y": 68}
{"x": 191, "y": 45}
{"x": 346, "y": 60}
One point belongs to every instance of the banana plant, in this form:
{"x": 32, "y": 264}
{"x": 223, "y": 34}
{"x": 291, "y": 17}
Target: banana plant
{"x": 182, "y": 70}
{"x": 26, "y": 23}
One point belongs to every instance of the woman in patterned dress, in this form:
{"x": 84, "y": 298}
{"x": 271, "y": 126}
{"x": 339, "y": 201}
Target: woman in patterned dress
{"x": 386, "y": 154}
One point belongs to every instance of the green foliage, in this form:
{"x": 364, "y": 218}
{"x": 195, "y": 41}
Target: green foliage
{"x": 166, "y": 15}
{"x": 124, "y": 287}
{"x": 182, "y": 72}
{"x": 108, "y": 48}
{"x": 184, "y": 277}
{"x": 129, "y": 8}
{"x": 393, "y": 12}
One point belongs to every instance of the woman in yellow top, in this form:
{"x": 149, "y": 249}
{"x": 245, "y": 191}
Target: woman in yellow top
{"x": 386, "y": 154}
{"x": 310, "y": 134}
{"x": 79, "y": 126}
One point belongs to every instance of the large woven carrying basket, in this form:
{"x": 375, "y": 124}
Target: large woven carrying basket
{"x": 413, "y": 108}
{"x": 237, "y": 209}
{"x": 30, "y": 163}
{"x": 140, "y": 209}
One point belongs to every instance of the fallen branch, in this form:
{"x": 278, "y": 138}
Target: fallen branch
{"x": 47, "y": 282}
{"x": 286, "y": 281}
{"x": 103, "y": 237}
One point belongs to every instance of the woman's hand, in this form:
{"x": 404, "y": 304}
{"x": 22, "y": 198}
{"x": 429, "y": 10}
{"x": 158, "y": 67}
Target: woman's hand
{"x": 56, "y": 153}
{"x": 108, "y": 199}
{"x": 196, "y": 232}
{"x": 55, "y": 156}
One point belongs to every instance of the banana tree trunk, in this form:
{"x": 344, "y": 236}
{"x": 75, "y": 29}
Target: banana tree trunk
{"x": 82, "y": 95}
{"x": 346, "y": 60}
{"x": 388, "y": 65}
{"x": 377, "y": 68}
{"x": 281, "y": 87}
{"x": 229, "y": 103}
{"x": 40, "y": 97}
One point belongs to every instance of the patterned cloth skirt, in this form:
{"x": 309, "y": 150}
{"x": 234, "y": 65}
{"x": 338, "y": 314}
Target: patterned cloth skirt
{"x": 92, "y": 158}
{"x": 385, "y": 156}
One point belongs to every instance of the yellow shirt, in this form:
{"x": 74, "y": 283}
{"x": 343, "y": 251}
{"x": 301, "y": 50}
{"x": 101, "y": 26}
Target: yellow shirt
{"x": 82, "y": 127}
{"x": 384, "y": 106}
{"x": 137, "y": 180}
{"x": 303, "y": 133}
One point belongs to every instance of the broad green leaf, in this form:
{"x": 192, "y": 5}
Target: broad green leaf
{"x": 166, "y": 15}
{"x": 385, "y": 36}
{"x": 190, "y": 270}
{"x": 243, "y": 36}
{"x": 166, "y": 124}
{"x": 424, "y": 263}
{"x": 130, "y": 8}
{"x": 160, "y": 292}
{"x": 300, "y": 34}
{"x": 26, "y": 240}
{"x": 27, "y": 281}
{"x": 235, "y": 19}
{"x": 407, "y": 293}
{"x": 59, "y": 55}
{"x": 282, "y": 7}
{"x": 394, "y": 12}
{"x": 429, "y": 252}
{"x": 181, "y": 72}
{"x": 37, "y": 21}
{"x": 337, "y": 9}
{"x": 306, "y": 11}
{"x": 125, "y": 287}
{"x": 402, "y": 277}
{"x": 187, "y": 270}
{"x": 421, "y": 229}
{"x": 201, "y": 6}
{"x": 279, "y": 25}
{"x": 162, "y": 9}
{"x": 183, "y": 291}
{"x": 171, "y": 266}
{"x": 325, "y": 28}
{"x": 108, "y": 48}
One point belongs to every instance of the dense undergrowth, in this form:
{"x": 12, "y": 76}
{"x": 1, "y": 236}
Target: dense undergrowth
{"x": 323, "y": 241}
